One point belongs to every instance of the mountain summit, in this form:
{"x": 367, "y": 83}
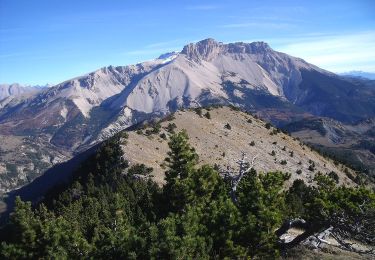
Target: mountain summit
{"x": 78, "y": 113}
{"x": 209, "y": 49}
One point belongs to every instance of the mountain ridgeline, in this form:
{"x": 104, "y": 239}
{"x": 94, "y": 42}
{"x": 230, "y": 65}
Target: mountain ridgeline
{"x": 220, "y": 135}
{"x": 112, "y": 209}
{"x": 93, "y": 107}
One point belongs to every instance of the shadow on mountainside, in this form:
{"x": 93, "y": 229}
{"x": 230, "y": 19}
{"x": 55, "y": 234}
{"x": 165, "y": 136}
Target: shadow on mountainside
{"x": 35, "y": 190}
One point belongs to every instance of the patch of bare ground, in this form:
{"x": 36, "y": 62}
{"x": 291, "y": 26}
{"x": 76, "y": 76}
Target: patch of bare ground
{"x": 221, "y": 139}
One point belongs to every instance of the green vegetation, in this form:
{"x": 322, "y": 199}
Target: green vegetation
{"x": 198, "y": 110}
{"x": 139, "y": 170}
{"x": 334, "y": 176}
{"x": 171, "y": 127}
{"x": 312, "y": 165}
{"x": 275, "y": 131}
{"x": 347, "y": 157}
{"x": 111, "y": 210}
{"x": 207, "y": 115}
{"x": 169, "y": 117}
{"x": 11, "y": 169}
{"x": 154, "y": 130}
{"x": 163, "y": 136}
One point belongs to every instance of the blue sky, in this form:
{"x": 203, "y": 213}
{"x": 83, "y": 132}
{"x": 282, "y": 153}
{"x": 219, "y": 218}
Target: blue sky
{"x": 51, "y": 41}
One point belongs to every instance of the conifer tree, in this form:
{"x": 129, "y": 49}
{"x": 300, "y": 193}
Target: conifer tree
{"x": 181, "y": 162}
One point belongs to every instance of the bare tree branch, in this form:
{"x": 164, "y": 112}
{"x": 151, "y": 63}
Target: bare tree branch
{"x": 235, "y": 176}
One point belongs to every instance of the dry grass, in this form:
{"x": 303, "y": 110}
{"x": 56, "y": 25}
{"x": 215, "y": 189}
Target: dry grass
{"x": 217, "y": 145}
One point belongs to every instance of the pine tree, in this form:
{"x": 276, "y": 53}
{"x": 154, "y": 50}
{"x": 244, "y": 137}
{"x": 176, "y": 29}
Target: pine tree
{"x": 23, "y": 223}
{"x": 262, "y": 205}
{"x": 181, "y": 162}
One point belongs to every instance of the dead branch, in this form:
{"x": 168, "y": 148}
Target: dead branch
{"x": 235, "y": 176}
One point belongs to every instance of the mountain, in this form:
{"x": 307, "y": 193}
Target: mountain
{"x": 361, "y": 74}
{"x": 219, "y": 139}
{"x": 15, "y": 89}
{"x": 50, "y": 126}
{"x": 352, "y": 144}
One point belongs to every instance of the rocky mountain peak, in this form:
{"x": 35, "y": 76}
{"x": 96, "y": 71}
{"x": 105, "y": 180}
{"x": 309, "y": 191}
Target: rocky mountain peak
{"x": 209, "y": 48}
{"x": 259, "y": 47}
{"x": 205, "y": 49}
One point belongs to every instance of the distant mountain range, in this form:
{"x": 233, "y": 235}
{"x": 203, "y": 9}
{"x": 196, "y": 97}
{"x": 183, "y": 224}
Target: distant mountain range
{"x": 358, "y": 73}
{"x": 15, "y": 89}
{"x": 51, "y": 125}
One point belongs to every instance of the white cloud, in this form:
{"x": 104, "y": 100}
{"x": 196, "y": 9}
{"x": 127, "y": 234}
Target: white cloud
{"x": 337, "y": 53}
{"x": 155, "y": 49}
{"x": 154, "y": 52}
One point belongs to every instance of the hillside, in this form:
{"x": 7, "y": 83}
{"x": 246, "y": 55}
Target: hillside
{"x": 147, "y": 144}
{"x": 219, "y": 145}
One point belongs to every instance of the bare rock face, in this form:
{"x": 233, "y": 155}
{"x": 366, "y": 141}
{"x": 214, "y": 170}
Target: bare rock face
{"x": 209, "y": 49}
{"x": 203, "y": 50}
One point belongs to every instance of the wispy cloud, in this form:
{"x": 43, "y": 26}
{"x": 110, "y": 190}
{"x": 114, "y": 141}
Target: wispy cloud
{"x": 10, "y": 30}
{"x": 163, "y": 44}
{"x": 157, "y": 48}
{"x": 266, "y": 18}
{"x": 264, "y": 21}
{"x": 11, "y": 55}
{"x": 355, "y": 51}
{"x": 271, "y": 25}
{"x": 35, "y": 56}
{"x": 148, "y": 52}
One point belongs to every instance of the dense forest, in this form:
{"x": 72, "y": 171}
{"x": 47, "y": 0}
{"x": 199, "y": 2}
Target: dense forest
{"x": 114, "y": 210}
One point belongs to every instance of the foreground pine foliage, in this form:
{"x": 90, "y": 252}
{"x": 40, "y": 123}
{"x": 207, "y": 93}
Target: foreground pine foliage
{"x": 114, "y": 211}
